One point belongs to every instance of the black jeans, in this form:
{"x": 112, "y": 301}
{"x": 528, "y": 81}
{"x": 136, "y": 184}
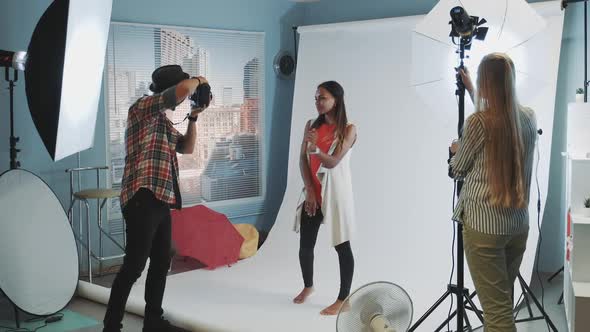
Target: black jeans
{"x": 148, "y": 235}
{"x": 310, "y": 226}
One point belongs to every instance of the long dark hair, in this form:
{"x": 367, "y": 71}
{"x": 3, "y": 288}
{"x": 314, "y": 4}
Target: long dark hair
{"x": 336, "y": 90}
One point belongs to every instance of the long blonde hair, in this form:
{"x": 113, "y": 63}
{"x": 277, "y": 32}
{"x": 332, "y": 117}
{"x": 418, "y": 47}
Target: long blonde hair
{"x": 504, "y": 147}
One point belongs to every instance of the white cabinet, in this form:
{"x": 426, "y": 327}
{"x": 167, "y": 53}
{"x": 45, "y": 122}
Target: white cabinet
{"x": 577, "y": 248}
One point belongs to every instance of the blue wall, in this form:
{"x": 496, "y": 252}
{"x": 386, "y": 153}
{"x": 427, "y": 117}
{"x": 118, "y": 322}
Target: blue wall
{"x": 571, "y": 77}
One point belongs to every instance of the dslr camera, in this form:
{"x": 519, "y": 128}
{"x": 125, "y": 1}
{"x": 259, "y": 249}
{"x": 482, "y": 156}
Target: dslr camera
{"x": 202, "y": 96}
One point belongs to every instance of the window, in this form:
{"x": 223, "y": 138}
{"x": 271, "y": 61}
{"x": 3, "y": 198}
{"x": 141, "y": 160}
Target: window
{"x": 225, "y": 171}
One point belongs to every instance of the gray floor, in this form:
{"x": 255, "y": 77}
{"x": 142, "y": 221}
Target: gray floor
{"x": 134, "y": 323}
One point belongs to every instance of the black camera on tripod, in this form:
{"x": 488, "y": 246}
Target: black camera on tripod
{"x": 202, "y": 96}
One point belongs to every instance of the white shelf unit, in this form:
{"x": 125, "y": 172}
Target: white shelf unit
{"x": 577, "y": 245}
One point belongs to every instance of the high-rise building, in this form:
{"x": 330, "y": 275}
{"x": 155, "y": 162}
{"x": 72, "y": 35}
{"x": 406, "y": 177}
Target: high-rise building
{"x": 142, "y": 89}
{"x": 121, "y": 94}
{"x": 171, "y": 47}
{"x": 233, "y": 171}
{"x": 214, "y": 124}
{"x": 198, "y": 63}
{"x": 227, "y": 96}
{"x": 249, "y": 119}
{"x": 252, "y": 79}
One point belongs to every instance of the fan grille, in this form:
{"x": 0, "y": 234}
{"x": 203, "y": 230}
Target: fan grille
{"x": 385, "y": 298}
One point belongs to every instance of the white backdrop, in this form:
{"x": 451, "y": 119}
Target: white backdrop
{"x": 402, "y": 192}
{"x": 403, "y": 195}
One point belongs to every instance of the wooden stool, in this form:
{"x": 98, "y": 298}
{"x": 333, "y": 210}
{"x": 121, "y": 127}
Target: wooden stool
{"x": 102, "y": 195}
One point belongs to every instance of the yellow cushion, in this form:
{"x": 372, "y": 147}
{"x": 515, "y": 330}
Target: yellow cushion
{"x": 250, "y": 235}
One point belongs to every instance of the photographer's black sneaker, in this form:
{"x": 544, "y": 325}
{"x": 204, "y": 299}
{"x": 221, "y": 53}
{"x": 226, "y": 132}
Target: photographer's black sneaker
{"x": 112, "y": 329}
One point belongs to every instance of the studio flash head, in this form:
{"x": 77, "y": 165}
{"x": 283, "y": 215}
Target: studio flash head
{"x": 465, "y": 26}
{"x": 461, "y": 22}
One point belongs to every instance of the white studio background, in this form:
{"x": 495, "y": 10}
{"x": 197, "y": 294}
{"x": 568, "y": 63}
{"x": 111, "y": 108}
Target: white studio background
{"x": 402, "y": 193}
{"x": 403, "y": 196}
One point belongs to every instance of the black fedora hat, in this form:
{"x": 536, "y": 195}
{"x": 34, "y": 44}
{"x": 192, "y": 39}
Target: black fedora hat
{"x": 167, "y": 76}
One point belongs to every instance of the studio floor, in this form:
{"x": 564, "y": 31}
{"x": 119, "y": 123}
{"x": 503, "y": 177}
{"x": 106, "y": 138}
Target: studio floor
{"x": 93, "y": 312}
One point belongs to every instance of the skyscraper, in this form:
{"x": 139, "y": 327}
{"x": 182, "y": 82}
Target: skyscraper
{"x": 198, "y": 63}
{"x": 227, "y": 96}
{"x": 250, "y": 107}
{"x": 215, "y": 124}
{"x": 251, "y": 78}
{"x": 121, "y": 94}
{"x": 171, "y": 47}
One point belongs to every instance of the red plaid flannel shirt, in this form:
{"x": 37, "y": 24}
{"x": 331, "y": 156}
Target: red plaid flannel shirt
{"x": 150, "y": 141}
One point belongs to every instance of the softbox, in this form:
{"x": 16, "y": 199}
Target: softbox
{"x": 63, "y": 73}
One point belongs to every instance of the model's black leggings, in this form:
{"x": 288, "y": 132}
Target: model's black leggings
{"x": 309, "y": 233}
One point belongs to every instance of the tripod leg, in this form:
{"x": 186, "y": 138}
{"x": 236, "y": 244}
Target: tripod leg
{"x": 16, "y": 318}
{"x": 441, "y": 326}
{"x": 467, "y": 322}
{"x": 555, "y": 274}
{"x": 528, "y": 306}
{"x": 473, "y": 307}
{"x": 560, "y": 301}
{"x": 451, "y": 316}
{"x": 430, "y": 311}
{"x": 539, "y": 306}
{"x": 525, "y": 297}
{"x": 518, "y": 303}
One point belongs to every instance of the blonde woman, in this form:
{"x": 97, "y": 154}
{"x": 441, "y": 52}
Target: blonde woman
{"x": 494, "y": 158}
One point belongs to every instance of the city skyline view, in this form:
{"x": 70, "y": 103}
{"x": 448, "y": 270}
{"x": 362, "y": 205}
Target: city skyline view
{"x": 226, "y": 162}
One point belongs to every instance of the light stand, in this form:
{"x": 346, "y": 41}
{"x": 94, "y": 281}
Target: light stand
{"x": 14, "y": 163}
{"x": 465, "y": 27}
{"x": 526, "y": 291}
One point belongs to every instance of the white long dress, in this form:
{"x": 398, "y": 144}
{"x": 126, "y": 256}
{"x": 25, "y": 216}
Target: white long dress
{"x": 337, "y": 199}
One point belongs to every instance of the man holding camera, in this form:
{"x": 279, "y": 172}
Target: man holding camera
{"x": 149, "y": 189}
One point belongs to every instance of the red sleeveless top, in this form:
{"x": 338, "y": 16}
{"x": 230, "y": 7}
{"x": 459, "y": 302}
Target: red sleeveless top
{"x": 325, "y": 139}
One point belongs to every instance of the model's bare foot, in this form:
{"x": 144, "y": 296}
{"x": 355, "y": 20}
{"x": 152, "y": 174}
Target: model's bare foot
{"x": 303, "y": 295}
{"x": 334, "y": 308}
